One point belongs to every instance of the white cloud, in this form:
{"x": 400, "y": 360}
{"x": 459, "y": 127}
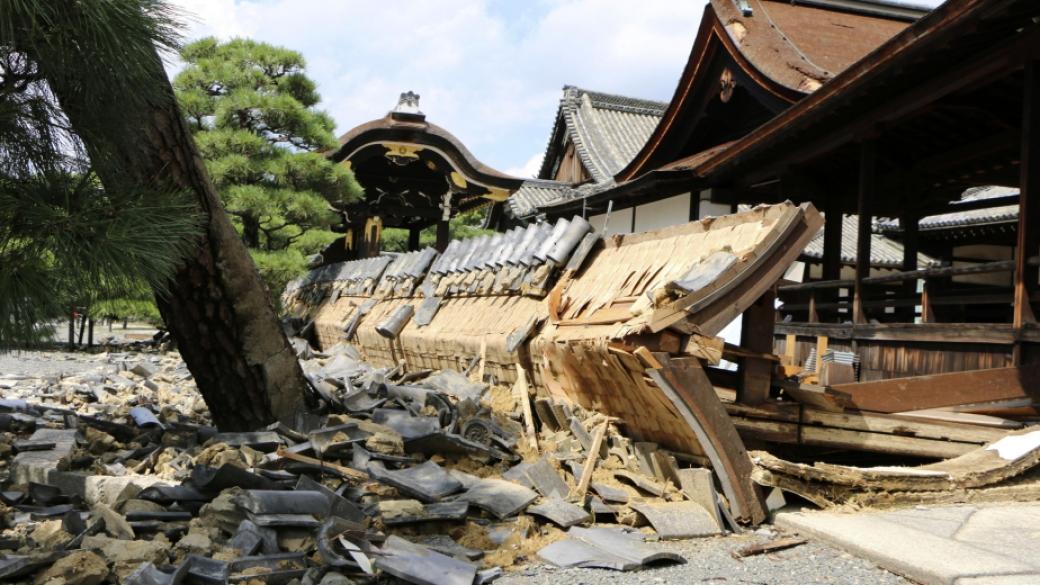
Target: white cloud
{"x": 489, "y": 72}
{"x": 529, "y": 168}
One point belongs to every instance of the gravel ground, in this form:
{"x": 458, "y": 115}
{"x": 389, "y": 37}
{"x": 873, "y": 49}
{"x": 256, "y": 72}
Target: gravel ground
{"x": 708, "y": 560}
{"x": 64, "y": 363}
{"x": 42, "y": 364}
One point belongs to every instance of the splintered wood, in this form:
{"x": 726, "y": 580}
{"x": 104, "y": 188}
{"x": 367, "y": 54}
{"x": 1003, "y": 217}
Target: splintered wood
{"x": 1000, "y": 468}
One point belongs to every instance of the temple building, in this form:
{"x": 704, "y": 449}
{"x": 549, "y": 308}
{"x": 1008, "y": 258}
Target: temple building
{"x": 415, "y": 174}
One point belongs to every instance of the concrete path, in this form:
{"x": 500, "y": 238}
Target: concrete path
{"x": 993, "y": 544}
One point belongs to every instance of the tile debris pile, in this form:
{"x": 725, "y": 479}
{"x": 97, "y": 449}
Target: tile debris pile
{"x": 429, "y": 477}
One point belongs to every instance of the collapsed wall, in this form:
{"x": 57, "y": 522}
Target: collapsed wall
{"x": 619, "y": 325}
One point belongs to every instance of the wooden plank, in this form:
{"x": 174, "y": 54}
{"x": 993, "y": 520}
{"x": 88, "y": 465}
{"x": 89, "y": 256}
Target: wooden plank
{"x": 768, "y": 547}
{"x": 692, "y": 394}
{"x": 590, "y": 462}
{"x": 989, "y": 333}
{"x": 816, "y": 396}
{"x": 647, "y": 358}
{"x": 938, "y": 390}
{"x": 344, "y": 472}
{"x": 845, "y": 439}
{"x": 707, "y": 348}
{"x": 520, "y": 389}
{"x": 885, "y": 424}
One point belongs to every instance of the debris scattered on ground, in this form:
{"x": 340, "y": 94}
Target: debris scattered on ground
{"x": 768, "y": 547}
{"x": 116, "y": 474}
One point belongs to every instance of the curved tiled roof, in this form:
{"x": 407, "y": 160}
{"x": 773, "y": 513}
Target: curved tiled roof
{"x": 535, "y": 193}
{"x": 607, "y": 130}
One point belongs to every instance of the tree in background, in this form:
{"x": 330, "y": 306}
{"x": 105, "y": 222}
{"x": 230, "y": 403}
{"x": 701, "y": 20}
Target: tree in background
{"x": 252, "y": 111}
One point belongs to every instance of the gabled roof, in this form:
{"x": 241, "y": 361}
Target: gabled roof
{"x": 607, "y": 131}
{"x": 884, "y": 252}
{"x": 762, "y": 55}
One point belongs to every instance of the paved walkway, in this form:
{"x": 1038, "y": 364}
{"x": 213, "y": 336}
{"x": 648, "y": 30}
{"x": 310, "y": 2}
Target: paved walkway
{"x": 993, "y": 544}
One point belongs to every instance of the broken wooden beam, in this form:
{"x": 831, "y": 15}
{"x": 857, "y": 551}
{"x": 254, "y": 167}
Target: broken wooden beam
{"x": 939, "y": 390}
{"x": 590, "y": 462}
{"x": 692, "y": 394}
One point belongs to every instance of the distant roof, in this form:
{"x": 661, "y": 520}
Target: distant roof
{"x": 775, "y": 52}
{"x": 801, "y": 44}
{"x": 975, "y": 217}
{"x": 607, "y": 130}
{"x": 884, "y": 252}
{"x": 535, "y": 193}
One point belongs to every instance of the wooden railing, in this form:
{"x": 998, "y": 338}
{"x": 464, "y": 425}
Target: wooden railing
{"x": 883, "y": 299}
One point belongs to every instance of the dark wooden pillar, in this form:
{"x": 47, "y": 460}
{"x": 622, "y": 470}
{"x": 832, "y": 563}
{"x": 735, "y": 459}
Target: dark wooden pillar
{"x": 832, "y": 241}
{"x": 865, "y": 209}
{"x": 756, "y": 335}
{"x": 1028, "y": 244}
{"x": 909, "y": 222}
{"x": 443, "y": 235}
{"x": 413, "y": 238}
{"x": 371, "y": 240}
{"x": 831, "y": 267}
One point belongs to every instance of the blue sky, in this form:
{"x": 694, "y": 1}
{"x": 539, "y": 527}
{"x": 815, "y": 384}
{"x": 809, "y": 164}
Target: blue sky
{"x": 490, "y": 71}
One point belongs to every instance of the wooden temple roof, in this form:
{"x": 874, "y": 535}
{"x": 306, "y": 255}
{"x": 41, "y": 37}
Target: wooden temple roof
{"x": 407, "y": 164}
{"x": 943, "y": 100}
{"x": 750, "y": 61}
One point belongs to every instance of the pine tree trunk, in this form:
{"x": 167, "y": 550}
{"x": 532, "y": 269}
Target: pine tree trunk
{"x": 218, "y": 310}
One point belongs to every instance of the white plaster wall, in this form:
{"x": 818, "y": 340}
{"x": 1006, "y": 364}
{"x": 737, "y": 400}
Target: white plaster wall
{"x": 663, "y": 213}
{"x": 620, "y": 222}
{"x": 707, "y": 208}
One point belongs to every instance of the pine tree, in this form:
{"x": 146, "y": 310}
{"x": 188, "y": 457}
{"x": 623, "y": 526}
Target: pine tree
{"x": 253, "y": 113}
{"x": 100, "y": 62}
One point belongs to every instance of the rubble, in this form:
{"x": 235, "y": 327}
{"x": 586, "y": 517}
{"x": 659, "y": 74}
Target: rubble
{"x": 428, "y": 477}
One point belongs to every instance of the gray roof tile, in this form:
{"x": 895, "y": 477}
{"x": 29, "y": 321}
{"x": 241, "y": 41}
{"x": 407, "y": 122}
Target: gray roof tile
{"x": 607, "y": 131}
{"x": 884, "y": 252}
{"x": 973, "y": 217}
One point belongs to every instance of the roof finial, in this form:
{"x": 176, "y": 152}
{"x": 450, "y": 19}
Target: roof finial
{"x": 407, "y": 107}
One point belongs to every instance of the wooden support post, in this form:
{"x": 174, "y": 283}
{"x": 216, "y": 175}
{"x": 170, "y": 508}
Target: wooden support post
{"x": 867, "y": 193}
{"x": 790, "y": 355}
{"x": 72, "y": 328}
{"x": 90, "y": 333}
{"x": 909, "y": 222}
{"x": 413, "y": 238}
{"x": 443, "y": 235}
{"x": 756, "y": 335}
{"x": 1028, "y": 245}
{"x": 832, "y": 228}
{"x": 927, "y": 312}
{"x": 814, "y": 313}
